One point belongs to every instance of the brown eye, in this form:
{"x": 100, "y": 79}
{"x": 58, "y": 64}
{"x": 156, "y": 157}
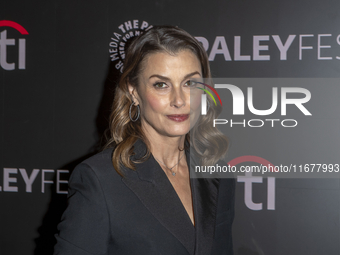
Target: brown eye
{"x": 190, "y": 83}
{"x": 160, "y": 85}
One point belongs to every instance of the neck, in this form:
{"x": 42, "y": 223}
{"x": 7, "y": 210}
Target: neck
{"x": 164, "y": 148}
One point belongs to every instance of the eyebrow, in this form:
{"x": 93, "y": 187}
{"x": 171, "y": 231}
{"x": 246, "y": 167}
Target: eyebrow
{"x": 167, "y": 79}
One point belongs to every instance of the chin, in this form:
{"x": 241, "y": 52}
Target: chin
{"x": 178, "y": 132}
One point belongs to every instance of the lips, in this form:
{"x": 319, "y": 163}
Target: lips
{"x": 178, "y": 117}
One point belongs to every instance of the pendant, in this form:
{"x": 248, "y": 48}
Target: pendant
{"x": 173, "y": 173}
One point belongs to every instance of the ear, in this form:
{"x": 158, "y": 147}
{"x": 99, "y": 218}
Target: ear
{"x": 134, "y": 94}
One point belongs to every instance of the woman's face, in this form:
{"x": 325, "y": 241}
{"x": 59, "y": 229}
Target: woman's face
{"x": 163, "y": 93}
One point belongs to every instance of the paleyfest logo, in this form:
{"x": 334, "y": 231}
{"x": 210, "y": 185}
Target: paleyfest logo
{"x": 238, "y": 99}
{"x": 232, "y": 48}
{"x": 6, "y": 44}
{"x": 119, "y": 40}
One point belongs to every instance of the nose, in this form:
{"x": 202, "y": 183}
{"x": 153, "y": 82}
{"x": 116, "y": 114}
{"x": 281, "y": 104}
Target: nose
{"x": 178, "y": 97}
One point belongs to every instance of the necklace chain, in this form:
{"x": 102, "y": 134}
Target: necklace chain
{"x": 170, "y": 168}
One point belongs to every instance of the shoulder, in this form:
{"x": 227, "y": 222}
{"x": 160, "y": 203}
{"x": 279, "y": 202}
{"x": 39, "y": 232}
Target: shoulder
{"x": 227, "y": 173}
{"x": 101, "y": 160}
{"x": 227, "y": 183}
{"x": 98, "y": 166}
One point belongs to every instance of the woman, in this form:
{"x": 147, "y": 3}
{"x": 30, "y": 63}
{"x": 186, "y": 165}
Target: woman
{"x": 136, "y": 196}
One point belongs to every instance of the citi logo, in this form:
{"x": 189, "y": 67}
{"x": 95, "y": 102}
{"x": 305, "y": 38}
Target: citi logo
{"x": 4, "y": 42}
{"x": 248, "y": 179}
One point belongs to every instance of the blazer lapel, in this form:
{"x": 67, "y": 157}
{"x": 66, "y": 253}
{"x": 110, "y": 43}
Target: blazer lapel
{"x": 152, "y": 187}
{"x": 205, "y": 194}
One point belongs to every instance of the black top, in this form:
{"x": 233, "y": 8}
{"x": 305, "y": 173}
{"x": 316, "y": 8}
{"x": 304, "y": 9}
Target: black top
{"x": 142, "y": 213}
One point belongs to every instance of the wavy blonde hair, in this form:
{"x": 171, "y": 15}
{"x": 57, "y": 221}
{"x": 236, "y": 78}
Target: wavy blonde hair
{"x": 208, "y": 142}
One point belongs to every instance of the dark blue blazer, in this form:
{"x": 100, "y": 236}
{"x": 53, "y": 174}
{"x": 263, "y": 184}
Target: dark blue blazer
{"x": 141, "y": 213}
